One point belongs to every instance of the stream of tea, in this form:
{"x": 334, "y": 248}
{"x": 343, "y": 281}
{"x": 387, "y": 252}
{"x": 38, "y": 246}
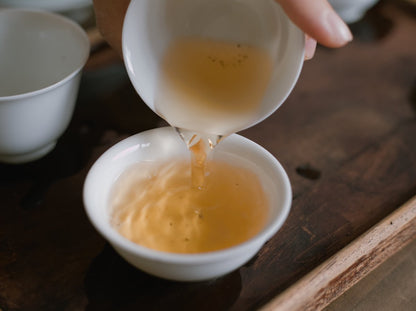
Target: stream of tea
{"x": 208, "y": 90}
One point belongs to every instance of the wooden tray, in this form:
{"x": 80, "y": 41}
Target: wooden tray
{"x": 346, "y": 136}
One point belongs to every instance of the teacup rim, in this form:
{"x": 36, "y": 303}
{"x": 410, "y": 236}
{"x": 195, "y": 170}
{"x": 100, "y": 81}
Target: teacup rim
{"x": 73, "y": 73}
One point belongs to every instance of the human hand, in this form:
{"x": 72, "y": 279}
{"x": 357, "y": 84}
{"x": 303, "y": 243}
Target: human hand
{"x": 315, "y": 17}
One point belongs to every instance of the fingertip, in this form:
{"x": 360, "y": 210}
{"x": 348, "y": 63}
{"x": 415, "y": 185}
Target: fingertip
{"x": 339, "y": 33}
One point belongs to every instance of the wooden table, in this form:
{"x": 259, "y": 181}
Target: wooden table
{"x": 346, "y": 136}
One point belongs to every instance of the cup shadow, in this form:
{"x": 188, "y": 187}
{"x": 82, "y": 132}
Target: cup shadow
{"x": 113, "y": 284}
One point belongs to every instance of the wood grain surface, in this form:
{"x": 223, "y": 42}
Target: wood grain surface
{"x": 343, "y": 270}
{"x": 391, "y": 286}
{"x": 346, "y": 137}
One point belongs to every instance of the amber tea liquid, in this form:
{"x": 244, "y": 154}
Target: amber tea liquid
{"x": 212, "y": 87}
{"x": 155, "y": 205}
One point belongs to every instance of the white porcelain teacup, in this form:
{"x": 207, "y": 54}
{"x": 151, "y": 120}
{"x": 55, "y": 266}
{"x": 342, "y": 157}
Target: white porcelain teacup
{"x": 165, "y": 143}
{"x": 151, "y": 25}
{"x": 41, "y": 60}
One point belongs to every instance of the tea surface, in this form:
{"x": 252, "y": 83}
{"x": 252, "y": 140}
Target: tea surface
{"x": 155, "y": 205}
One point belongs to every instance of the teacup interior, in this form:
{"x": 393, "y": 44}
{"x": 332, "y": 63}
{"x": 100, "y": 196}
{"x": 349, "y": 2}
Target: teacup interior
{"x": 38, "y": 50}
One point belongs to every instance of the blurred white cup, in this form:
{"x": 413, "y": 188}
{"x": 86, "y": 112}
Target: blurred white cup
{"x": 41, "y": 59}
{"x": 78, "y": 10}
{"x": 352, "y": 10}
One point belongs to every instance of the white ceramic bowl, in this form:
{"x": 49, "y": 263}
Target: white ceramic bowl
{"x": 41, "y": 59}
{"x": 150, "y": 26}
{"x": 164, "y": 143}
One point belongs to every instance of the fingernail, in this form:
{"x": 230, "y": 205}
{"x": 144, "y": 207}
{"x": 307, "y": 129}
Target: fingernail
{"x": 310, "y": 47}
{"x": 341, "y": 34}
